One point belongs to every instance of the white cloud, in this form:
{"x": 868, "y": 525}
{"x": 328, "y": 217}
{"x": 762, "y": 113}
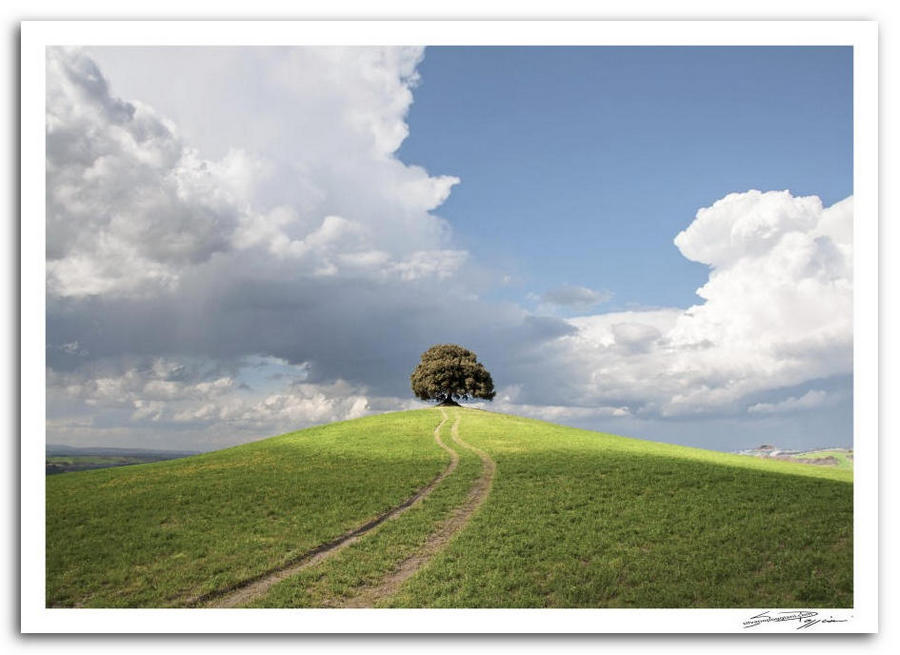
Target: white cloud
{"x": 133, "y": 208}
{"x": 508, "y": 401}
{"x": 635, "y": 336}
{"x": 161, "y": 381}
{"x": 777, "y": 313}
{"x": 128, "y": 206}
{"x": 167, "y": 395}
{"x": 326, "y": 121}
{"x": 742, "y": 225}
{"x": 299, "y": 406}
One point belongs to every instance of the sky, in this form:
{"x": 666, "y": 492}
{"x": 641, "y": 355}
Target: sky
{"x": 655, "y": 242}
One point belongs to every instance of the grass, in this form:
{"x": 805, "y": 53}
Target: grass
{"x": 367, "y": 561}
{"x": 581, "y": 519}
{"x": 574, "y": 519}
{"x": 154, "y": 535}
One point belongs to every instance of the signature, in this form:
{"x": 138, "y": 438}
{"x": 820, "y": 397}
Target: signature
{"x": 806, "y": 619}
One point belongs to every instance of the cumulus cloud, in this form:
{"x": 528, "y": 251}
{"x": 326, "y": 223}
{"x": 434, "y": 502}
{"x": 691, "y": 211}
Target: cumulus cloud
{"x": 132, "y": 208}
{"x": 326, "y": 121}
{"x": 777, "y": 312}
{"x": 127, "y": 205}
{"x": 743, "y": 225}
{"x": 635, "y": 336}
{"x": 178, "y": 399}
{"x": 162, "y": 380}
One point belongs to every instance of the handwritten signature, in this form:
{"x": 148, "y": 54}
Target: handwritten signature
{"x": 806, "y": 619}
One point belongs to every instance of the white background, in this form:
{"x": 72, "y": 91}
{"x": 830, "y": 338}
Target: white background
{"x": 15, "y": 11}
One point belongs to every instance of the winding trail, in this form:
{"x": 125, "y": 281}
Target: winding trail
{"x": 457, "y": 520}
{"x": 253, "y": 588}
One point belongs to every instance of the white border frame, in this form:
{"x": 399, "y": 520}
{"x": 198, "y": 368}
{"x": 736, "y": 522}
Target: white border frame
{"x": 861, "y": 35}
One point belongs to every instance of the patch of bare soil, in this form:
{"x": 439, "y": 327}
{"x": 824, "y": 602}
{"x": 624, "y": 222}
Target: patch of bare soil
{"x": 439, "y": 538}
{"x": 822, "y": 461}
{"x": 253, "y": 588}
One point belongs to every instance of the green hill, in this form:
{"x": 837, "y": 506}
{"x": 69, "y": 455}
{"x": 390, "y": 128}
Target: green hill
{"x": 511, "y": 512}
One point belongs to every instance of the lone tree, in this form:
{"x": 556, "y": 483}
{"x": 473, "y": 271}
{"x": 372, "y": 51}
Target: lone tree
{"x": 448, "y": 373}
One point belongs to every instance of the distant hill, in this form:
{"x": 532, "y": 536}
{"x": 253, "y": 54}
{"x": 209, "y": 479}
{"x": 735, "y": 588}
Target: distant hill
{"x": 452, "y": 508}
{"x": 65, "y": 459}
{"x": 105, "y": 451}
{"x": 838, "y": 457}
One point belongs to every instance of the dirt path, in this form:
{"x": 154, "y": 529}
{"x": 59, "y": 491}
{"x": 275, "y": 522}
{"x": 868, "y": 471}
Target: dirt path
{"x": 439, "y": 538}
{"x": 251, "y": 589}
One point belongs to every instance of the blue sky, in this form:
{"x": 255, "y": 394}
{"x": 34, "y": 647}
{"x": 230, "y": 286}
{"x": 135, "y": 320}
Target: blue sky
{"x": 580, "y": 165}
{"x": 655, "y": 242}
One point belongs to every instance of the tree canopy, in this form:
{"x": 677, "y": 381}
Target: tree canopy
{"x": 448, "y": 373}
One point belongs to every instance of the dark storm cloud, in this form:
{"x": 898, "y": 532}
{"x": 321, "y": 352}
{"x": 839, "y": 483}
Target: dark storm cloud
{"x": 363, "y": 331}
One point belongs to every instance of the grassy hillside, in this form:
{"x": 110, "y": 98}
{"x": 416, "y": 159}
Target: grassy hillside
{"x": 572, "y": 519}
{"x": 158, "y": 534}
{"x": 579, "y": 519}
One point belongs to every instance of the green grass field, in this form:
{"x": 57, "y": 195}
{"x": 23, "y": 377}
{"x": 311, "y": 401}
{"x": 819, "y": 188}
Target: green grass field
{"x": 573, "y": 519}
{"x": 157, "y": 534}
{"x": 366, "y": 561}
{"x": 579, "y": 519}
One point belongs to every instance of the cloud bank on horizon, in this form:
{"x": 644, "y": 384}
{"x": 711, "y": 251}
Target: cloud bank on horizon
{"x": 294, "y": 278}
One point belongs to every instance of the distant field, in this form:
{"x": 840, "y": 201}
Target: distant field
{"x": 89, "y": 459}
{"x": 572, "y": 519}
{"x": 68, "y": 463}
{"x": 65, "y": 459}
{"x": 843, "y": 457}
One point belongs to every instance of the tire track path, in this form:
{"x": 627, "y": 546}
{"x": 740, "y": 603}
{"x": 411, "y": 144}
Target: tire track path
{"x": 253, "y": 588}
{"x": 438, "y": 539}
